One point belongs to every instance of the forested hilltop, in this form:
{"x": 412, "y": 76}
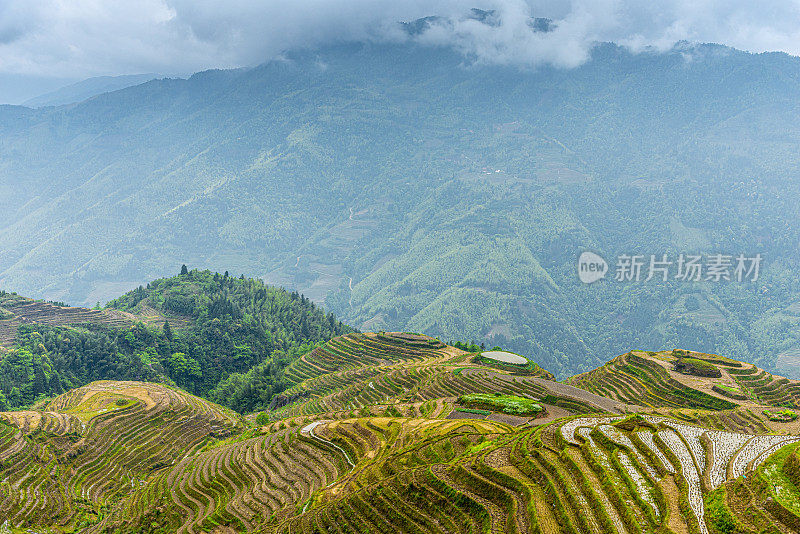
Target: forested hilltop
{"x": 221, "y": 337}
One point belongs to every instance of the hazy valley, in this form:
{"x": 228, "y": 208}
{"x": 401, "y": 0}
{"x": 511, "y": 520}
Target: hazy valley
{"x": 405, "y": 190}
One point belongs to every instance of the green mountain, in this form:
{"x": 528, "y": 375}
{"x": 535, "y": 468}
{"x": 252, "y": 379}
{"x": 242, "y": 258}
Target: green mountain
{"x": 407, "y": 190}
{"x": 224, "y": 338}
{"x": 399, "y": 432}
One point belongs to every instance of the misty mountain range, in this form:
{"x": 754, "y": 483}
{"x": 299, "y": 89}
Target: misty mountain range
{"x": 83, "y": 90}
{"x": 408, "y": 189}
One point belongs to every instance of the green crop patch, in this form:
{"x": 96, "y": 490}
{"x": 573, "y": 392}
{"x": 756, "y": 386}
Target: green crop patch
{"x": 709, "y": 358}
{"x": 699, "y": 363}
{"x": 510, "y": 404}
{"x": 781, "y": 416}
{"x": 779, "y": 483}
{"x": 693, "y": 366}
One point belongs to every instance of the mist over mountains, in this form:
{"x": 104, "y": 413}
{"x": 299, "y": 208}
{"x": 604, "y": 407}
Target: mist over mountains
{"x": 407, "y": 188}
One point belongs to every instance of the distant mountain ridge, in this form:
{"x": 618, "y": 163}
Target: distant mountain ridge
{"x": 80, "y": 91}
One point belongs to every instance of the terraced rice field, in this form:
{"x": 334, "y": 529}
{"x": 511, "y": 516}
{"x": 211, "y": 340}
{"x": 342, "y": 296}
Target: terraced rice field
{"x": 27, "y": 311}
{"x": 705, "y": 459}
{"x": 361, "y": 370}
{"x": 647, "y": 379}
{"x": 418, "y": 474}
{"x": 644, "y": 379}
{"x": 362, "y": 442}
{"x": 90, "y": 446}
{"x": 767, "y": 389}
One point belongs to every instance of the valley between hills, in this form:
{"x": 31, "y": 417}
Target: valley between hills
{"x": 400, "y": 432}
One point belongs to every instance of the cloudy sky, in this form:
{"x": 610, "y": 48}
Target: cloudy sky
{"x": 45, "y": 44}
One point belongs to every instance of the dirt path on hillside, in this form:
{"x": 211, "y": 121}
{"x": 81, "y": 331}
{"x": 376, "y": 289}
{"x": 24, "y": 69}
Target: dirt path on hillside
{"x": 551, "y": 414}
{"x": 675, "y": 521}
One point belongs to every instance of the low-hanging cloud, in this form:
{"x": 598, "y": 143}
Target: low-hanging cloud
{"x": 82, "y": 38}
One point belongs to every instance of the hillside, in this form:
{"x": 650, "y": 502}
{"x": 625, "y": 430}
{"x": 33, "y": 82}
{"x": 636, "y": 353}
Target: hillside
{"x": 660, "y": 380}
{"x": 64, "y": 464}
{"x": 360, "y": 370}
{"x": 406, "y": 190}
{"x": 400, "y": 432}
{"x": 199, "y": 330}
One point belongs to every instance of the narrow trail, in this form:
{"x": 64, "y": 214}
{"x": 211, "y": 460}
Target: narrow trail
{"x": 350, "y": 285}
{"x": 310, "y": 429}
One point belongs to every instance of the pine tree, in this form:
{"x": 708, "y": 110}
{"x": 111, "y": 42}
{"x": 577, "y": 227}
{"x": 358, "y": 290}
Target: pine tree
{"x": 184, "y": 270}
{"x": 167, "y": 331}
{"x": 40, "y": 381}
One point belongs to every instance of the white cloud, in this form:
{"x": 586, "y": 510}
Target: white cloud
{"x": 512, "y": 40}
{"x": 769, "y": 25}
{"x": 81, "y": 38}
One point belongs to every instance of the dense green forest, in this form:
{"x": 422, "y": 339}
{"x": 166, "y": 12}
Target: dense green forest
{"x": 406, "y": 190}
{"x": 230, "y": 340}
